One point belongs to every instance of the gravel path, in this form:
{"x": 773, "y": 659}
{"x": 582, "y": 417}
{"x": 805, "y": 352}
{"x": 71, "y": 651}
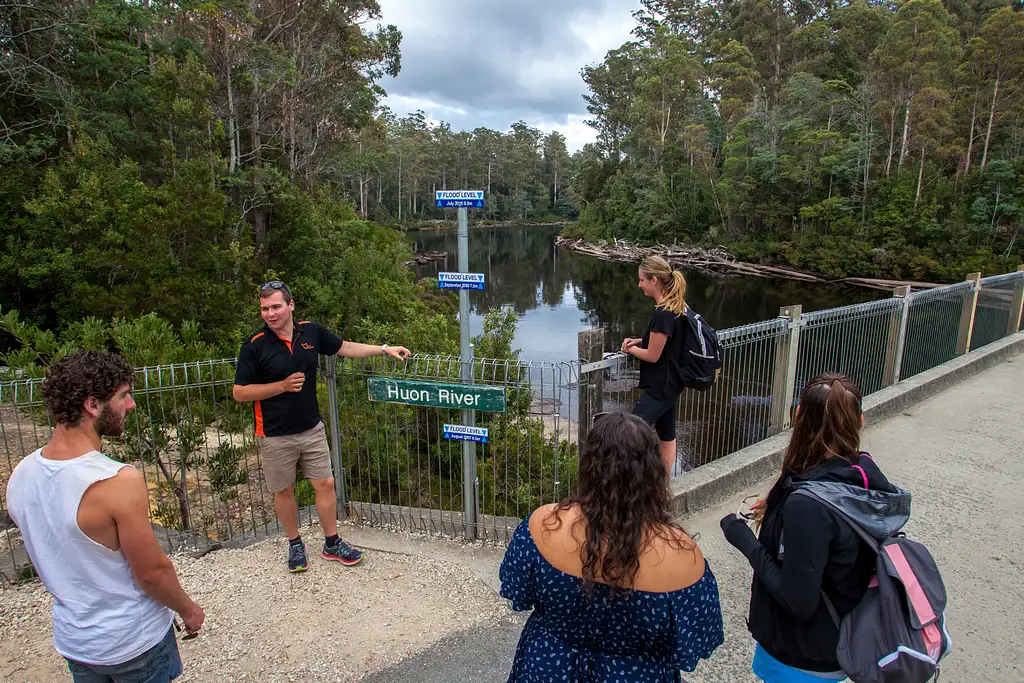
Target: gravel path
{"x": 331, "y": 623}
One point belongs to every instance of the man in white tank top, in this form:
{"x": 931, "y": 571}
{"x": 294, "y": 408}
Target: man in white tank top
{"x": 85, "y": 522}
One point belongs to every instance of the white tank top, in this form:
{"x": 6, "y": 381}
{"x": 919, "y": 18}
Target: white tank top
{"x": 100, "y": 615}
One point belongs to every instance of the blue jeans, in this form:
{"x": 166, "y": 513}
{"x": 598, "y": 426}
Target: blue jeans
{"x": 771, "y": 670}
{"x": 159, "y": 664}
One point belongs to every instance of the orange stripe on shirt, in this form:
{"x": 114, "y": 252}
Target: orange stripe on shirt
{"x": 256, "y": 336}
{"x": 258, "y": 410}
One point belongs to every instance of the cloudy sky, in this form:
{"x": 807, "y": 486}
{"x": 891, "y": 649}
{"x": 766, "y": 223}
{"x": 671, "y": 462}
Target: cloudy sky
{"x": 493, "y": 62}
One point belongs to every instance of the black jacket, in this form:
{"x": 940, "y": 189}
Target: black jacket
{"x": 804, "y": 548}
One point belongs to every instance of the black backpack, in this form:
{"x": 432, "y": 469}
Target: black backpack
{"x": 897, "y": 634}
{"x": 702, "y": 354}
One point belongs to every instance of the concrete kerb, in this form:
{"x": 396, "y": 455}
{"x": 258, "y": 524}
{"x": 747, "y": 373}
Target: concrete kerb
{"x": 715, "y": 482}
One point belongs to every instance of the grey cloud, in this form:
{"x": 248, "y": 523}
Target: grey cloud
{"x": 500, "y": 61}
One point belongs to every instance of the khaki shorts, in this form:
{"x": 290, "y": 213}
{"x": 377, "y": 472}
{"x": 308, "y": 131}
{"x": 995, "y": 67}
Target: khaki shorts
{"x": 280, "y": 454}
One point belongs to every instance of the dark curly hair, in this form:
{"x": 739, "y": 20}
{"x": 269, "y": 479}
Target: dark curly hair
{"x": 623, "y": 499}
{"x": 77, "y": 376}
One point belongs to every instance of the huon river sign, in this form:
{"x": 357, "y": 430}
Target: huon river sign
{"x": 436, "y": 395}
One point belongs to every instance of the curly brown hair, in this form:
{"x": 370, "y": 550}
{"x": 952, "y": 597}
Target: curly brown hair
{"x": 623, "y": 499}
{"x": 77, "y": 376}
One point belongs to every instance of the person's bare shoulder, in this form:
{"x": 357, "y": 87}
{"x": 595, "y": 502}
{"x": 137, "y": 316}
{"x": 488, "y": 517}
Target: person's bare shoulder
{"x": 120, "y": 492}
{"x": 674, "y": 561}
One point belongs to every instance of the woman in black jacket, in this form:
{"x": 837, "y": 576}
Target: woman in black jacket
{"x": 804, "y": 549}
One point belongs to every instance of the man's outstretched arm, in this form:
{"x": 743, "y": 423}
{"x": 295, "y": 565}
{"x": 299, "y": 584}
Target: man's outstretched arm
{"x": 356, "y": 350}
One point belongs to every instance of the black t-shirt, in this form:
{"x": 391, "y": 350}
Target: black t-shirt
{"x": 266, "y": 358}
{"x": 663, "y": 379}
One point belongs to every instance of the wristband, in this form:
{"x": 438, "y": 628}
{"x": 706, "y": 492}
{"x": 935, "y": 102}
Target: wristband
{"x": 383, "y": 349}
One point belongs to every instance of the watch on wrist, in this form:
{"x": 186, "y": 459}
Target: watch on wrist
{"x": 383, "y": 349}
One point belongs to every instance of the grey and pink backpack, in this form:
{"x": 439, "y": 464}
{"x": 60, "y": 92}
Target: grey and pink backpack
{"x": 897, "y": 634}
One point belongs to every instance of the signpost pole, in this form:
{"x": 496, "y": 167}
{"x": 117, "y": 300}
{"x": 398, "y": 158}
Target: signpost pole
{"x": 469, "y": 482}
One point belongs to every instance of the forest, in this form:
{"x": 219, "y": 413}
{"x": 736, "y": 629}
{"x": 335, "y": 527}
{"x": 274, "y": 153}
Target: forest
{"x": 159, "y": 160}
{"x": 849, "y": 138}
{"x": 166, "y": 157}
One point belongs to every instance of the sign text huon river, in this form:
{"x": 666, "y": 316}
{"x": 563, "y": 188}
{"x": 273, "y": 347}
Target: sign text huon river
{"x": 436, "y": 395}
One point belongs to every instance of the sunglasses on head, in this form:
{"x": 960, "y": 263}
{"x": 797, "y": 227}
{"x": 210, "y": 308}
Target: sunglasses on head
{"x": 274, "y": 284}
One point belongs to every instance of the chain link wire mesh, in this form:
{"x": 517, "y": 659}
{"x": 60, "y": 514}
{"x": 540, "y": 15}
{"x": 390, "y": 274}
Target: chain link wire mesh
{"x": 933, "y": 325}
{"x": 854, "y": 340}
{"x": 198, "y": 452}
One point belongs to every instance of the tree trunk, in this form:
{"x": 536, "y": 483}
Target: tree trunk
{"x": 892, "y": 140}
{"x": 995, "y": 211}
{"x": 232, "y": 125}
{"x": 906, "y": 135}
{"x": 714, "y": 193}
{"x": 399, "y": 188}
{"x": 867, "y": 177}
{"x": 970, "y": 138}
{"x": 920, "y": 177}
{"x": 259, "y": 215}
{"x": 991, "y": 117}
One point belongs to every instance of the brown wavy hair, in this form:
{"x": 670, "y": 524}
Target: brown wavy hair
{"x": 827, "y": 423}
{"x": 623, "y": 499}
{"x": 77, "y": 376}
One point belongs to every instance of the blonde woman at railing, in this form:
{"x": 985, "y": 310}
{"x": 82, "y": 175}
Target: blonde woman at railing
{"x": 659, "y": 352}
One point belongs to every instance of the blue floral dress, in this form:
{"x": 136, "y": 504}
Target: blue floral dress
{"x": 639, "y": 637}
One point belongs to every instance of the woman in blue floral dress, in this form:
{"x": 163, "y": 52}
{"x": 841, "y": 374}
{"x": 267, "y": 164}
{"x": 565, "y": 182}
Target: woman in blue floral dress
{"x": 619, "y": 592}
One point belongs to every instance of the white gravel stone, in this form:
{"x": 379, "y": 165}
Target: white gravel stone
{"x": 331, "y": 623}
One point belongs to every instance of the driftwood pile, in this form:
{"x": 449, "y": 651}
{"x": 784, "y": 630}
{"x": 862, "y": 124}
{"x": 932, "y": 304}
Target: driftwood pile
{"x": 713, "y": 260}
{"x": 422, "y": 258}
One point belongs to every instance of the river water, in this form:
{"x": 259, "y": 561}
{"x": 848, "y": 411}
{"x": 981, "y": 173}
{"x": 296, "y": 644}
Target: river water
{"x": 559, "y": 293}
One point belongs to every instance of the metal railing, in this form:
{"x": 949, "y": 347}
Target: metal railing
{"x": 400, "y": 472}
{"x": 197, "y": 449}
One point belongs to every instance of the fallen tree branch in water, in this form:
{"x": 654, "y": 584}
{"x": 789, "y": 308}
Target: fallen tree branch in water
{"x": 717, "y": 260}
{"x": 713, "y": 260}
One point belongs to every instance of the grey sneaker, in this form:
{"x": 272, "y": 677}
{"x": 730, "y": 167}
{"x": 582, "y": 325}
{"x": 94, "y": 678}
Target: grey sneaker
{"x": 342, "y": 552}
{"x": 297, "y": 561}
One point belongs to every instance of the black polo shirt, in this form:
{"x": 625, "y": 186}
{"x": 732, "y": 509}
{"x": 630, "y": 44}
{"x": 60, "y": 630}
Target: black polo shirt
{"x": 266, "y": 358}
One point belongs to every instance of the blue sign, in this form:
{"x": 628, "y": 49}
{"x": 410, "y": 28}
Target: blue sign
{"x": 460, "y": 433}
{"x": 459, "y": 199}
{"x": 460, "y": 280}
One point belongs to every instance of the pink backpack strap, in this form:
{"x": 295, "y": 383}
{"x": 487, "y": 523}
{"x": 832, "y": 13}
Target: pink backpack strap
{"x": 862, "y": 474}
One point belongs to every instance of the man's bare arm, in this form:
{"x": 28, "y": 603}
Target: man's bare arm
{"x": 129, "y": 506}
{"x": 356, "y": 350}
{"x": 247, "y": 393}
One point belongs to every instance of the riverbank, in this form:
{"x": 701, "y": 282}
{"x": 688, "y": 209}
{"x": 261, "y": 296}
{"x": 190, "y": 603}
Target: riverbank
{"x": 476, "y": 224}
{"x": 716, "y": 260}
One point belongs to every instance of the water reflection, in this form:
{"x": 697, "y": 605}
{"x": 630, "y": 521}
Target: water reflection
{"x": 559, "y": 293}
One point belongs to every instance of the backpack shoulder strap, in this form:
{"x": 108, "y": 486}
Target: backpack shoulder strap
{"x": 863, "y": 535}
{"x": 831, "y": 609}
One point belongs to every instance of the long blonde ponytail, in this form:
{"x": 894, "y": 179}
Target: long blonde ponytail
{"x": 673, "y": 284}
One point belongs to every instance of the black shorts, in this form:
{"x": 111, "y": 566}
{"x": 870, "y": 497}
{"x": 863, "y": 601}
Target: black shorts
{"x": 660, "y": 413}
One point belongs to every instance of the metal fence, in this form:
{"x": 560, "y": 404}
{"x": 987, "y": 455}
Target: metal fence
{"x": 735, "y": 413}
{"x": 400, "y": 472}
{"x": 197, "y": 449}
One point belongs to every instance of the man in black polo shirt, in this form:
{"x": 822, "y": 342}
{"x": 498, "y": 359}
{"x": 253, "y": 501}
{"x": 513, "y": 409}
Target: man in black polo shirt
{"x": 276, "y": 371}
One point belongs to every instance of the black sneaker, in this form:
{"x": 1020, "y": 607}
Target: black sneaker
{"x": 342, "y": 552}
{"x": 297, "y": 557}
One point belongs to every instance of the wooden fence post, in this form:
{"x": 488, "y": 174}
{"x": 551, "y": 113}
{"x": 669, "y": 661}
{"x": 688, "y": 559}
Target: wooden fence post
{"x": 970, "y": 307}
{"x": 784, "y": 384}
{"x": 591, "y": 385}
